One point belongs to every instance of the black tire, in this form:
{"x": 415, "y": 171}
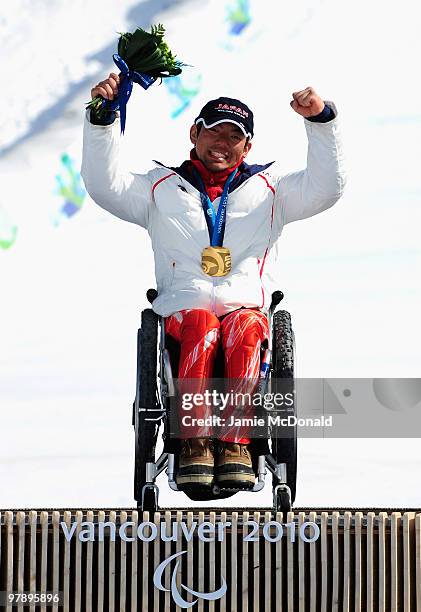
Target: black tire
{"x": 284, "y": 449}
{"x": 150, "y": 501}
{"x": 282, "y": 502}
{"x": 146, "y": 397}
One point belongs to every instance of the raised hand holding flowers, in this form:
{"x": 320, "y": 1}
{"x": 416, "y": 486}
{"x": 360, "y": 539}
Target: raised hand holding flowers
{"x": 142, "y": 58}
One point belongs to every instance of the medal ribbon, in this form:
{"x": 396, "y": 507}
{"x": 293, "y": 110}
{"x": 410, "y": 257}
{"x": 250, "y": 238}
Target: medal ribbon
{"x": 215, "y": 222}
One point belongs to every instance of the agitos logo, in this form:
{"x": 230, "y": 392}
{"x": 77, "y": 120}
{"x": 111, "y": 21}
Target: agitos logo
{"x": 175, "y": 593}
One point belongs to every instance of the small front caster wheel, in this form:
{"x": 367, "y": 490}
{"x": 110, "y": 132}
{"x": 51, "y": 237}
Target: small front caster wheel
{"x": 282, "y": 499}
{"x": 149, "y": 498}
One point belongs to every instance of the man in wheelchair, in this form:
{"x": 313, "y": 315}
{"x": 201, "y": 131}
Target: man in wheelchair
{"x": 214, "y": 222}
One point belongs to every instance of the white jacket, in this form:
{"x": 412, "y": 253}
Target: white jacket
{"x": 169, "y": 207}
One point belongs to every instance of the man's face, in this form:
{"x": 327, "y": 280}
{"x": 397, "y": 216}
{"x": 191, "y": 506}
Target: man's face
{"x": 219, "y": 147}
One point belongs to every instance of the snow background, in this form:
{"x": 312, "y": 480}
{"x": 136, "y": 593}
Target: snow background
{"x": 71, "y": 295}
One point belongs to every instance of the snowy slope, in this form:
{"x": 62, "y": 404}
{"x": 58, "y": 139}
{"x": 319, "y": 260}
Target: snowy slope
{"x": 51, "y": 49}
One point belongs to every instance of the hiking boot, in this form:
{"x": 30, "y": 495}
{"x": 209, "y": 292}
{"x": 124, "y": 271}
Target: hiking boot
{"x": 234, "y": 467}
{"x": 195, "y": 466}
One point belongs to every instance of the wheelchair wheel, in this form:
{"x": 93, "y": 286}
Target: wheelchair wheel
{"x": 281, "y": 500}
{"x": 284, "y": 448}
{"x": 146, "y": 430}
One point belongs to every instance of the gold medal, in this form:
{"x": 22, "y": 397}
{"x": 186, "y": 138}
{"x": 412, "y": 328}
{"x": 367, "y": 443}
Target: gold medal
{"x": 216, "y": 261}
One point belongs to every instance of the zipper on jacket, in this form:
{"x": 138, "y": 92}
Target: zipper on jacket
{"x": 173, "y": 274}
{"x": 213, "y": 297}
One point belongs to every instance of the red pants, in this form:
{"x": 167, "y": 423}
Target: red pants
{"x": 199, "y": 332}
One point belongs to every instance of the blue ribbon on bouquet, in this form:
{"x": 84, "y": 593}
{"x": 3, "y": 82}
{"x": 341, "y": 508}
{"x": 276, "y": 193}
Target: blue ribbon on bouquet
{"x": 127, "y": 78}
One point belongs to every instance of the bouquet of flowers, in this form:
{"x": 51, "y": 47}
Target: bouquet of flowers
{"x": 142, "y": 58}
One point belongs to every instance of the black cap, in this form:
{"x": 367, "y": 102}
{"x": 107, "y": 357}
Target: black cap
{"x": 227, "y": 109}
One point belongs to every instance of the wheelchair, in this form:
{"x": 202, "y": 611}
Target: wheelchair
{"x": 155, "y": 385}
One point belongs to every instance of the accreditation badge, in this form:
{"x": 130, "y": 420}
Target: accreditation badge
{"x": 216, "y": 261}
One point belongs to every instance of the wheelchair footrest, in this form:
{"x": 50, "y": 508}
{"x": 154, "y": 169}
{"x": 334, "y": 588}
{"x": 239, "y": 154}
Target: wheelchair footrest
{"x": 235, "y": 489}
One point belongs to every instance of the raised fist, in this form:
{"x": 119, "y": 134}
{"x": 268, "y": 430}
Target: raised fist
{"x": 307, "y": 103}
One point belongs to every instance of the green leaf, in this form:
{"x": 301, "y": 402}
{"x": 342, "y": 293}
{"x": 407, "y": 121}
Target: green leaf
{"x": 158, "y": 31}
{"x": 123, "y": 44}
{"x": 138, "y": 41}
{"x": 148, "y": 52}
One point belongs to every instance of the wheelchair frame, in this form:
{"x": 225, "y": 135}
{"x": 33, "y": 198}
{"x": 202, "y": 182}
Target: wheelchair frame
{"x": 147, "y": 419}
